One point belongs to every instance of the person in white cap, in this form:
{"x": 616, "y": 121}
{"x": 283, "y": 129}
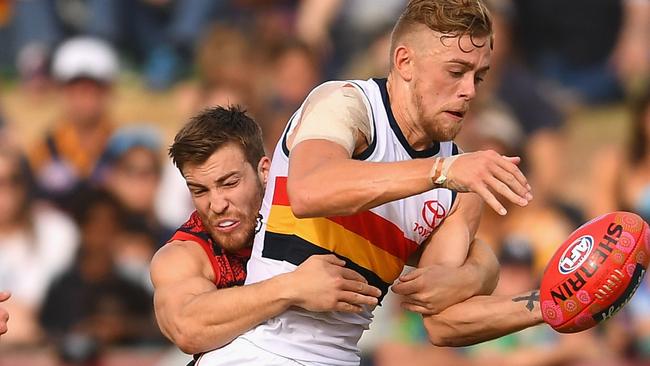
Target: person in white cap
{"x": 62, "y": 161}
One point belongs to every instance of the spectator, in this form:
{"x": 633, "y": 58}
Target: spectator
{"x": 134, "y": 247}
{"x": 130, "y": 169}
{"x": 64, "y": 159}
{"x": 91, "y": 300}
{"x": 294, "y": 70}
{"x": 588, "y": 48}
{"x": 162, "y": 33}
{"x": 621, "y": 177}
{"x": 225, "y": 66}
{"x": 37, "y": 244}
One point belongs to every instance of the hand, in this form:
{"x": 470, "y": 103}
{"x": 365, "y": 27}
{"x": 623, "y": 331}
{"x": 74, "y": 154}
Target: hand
{"x": 4, "y": 315}
{"x": 486, "y": 173}
{"x": 322, "y": 283}
{"x": 432, "y": 289}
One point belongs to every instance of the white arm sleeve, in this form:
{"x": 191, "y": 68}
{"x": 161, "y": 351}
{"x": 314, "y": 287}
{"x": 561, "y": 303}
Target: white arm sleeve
{"x": 336, "y": 112}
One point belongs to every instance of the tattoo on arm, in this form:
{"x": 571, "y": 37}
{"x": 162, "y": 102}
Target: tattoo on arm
{"x": 530, "y": 299}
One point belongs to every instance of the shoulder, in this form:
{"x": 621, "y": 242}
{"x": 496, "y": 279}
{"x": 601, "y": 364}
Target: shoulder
{"x": 177, "y": 260}
{"x": 338, "y": 90}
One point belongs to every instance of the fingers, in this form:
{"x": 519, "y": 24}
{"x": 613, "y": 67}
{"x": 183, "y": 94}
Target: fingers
{"x": 411, "y": 275}
{"x": 355, "y": 298}
{"x": 489, "y": 198}
{"x": 361, "y": 288}
{"x": 501, "y": 188}
{"x": 4, "y": 296}
{"x": 331, "y": 258}
{"x": 353, "y": 275}
{"x": 416, "y": 308}
{"x": 406, "y": 288}
{"x": 347, "y": 308}
{"x": 513, "y": 159}
{"x": 509, "y": 166}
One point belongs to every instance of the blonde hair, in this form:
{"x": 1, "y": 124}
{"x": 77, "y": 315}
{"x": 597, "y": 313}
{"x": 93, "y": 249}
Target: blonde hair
{"x": 451, "y": 18}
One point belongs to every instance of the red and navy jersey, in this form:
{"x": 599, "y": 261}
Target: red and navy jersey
{"x": 229, "y": 268}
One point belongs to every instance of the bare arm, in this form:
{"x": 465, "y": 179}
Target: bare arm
{"x": 454, "y": 266}
{"x": 352, "y": 186}
{"x": 483, "y": 318}
{"x": 198, "y": 317}
{"x": 4, "y": 315}
{"x": 472, "y": 319}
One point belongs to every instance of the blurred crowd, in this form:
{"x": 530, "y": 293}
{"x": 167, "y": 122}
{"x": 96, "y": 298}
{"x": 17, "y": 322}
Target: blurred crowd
{"x": 86, "y": 202}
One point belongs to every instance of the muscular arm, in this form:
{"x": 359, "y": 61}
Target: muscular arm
{"x": 198, "y": 317}
{"x": 453, "y": 266}
{"x": 477, "y": 316}
{"x": 482, "y": 318}
{"x": 352, "y": 186}
{"x": 471, "y": 319}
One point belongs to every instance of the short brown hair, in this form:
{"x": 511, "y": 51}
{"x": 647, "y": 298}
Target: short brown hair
{"x": 213, "y": 128}
{"x": 452, "y": 18}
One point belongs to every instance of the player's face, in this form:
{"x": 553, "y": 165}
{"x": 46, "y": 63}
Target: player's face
{"x": 446, "y": 75}
{"x": 227, "y": 193}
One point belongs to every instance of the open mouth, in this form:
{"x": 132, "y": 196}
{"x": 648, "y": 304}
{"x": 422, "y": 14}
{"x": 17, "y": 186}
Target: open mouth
{"x": 457, "y": 114}
{"x": 227, "y": 225}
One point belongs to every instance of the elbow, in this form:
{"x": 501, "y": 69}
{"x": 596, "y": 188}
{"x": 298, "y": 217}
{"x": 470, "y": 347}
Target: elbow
{"x": 304, "y": 201}
{"x": 187, "y": 340}
{"x": 494, "y": 280}
{"x": 300, "y": 208}
{"x": 186, "y": 345}
{"x": 299, "y": 197}
{"x": 442, "y": 333}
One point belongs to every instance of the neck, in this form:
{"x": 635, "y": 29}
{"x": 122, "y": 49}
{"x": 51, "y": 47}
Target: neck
{"x": 405, "y": 113}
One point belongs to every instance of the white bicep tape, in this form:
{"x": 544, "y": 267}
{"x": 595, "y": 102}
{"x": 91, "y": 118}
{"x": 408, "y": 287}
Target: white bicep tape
{"x": 335, "y": 113}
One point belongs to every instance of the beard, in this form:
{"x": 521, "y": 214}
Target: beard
{"x": 445, "y": 130}
{"x": 242, "y": 236}
{"x": 437, "y": 127}
{"x": 238, "y": 239}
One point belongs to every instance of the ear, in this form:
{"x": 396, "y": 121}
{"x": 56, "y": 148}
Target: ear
{"x": 403, "y": 57}
{"x": 263, "y": 168}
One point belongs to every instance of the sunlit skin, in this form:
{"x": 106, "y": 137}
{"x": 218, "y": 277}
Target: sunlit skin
{"x": 432, "y": 83}
{"x": 227, "y": 193}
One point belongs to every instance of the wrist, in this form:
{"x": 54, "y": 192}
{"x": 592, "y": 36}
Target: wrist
{"x": 286, "y": 289}
{"x": 435, "y": 174}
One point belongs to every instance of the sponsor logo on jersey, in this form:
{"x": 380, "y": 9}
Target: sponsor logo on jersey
{"x": 433, "y": 212}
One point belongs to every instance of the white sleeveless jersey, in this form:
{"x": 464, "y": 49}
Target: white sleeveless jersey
{"x": 376, "y": 243}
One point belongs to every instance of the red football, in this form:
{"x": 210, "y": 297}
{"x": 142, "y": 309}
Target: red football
{"x": 595, "y": 272}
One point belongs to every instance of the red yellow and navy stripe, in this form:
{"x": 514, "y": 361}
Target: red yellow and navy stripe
{"x": 370, "y": 244}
